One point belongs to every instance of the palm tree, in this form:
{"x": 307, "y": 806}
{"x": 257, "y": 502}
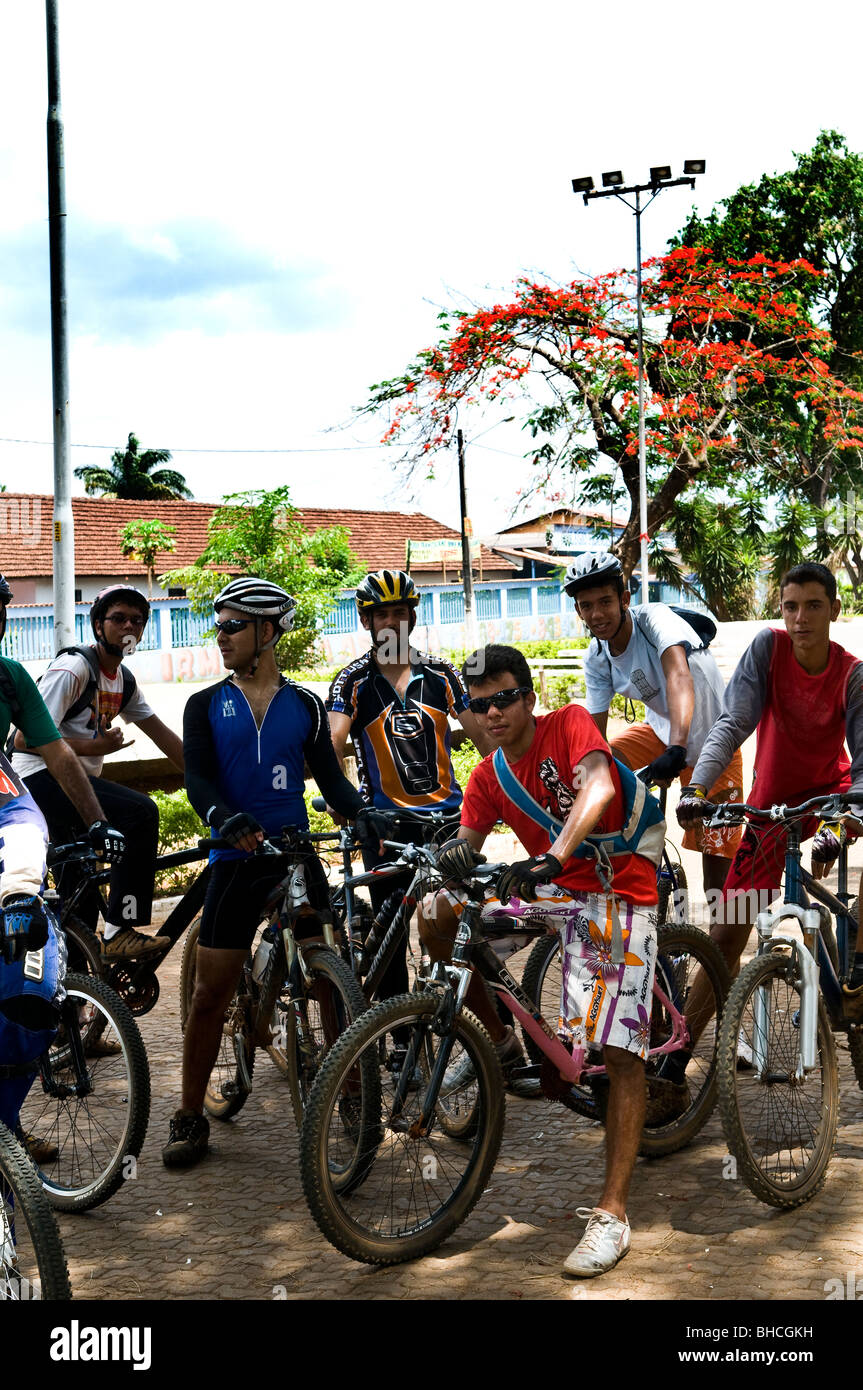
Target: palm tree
{"x": 131, "y": 475}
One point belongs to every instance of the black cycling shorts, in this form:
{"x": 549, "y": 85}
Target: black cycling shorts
{"x": 237, "y": 893}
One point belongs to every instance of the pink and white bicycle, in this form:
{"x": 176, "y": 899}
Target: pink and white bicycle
{"x": 394, "y": 1156}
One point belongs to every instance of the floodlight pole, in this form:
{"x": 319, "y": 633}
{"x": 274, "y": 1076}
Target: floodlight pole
{"x": 466, "y": 531}
{"x": 64, "y": 532}
{"x": 654, "y": 188}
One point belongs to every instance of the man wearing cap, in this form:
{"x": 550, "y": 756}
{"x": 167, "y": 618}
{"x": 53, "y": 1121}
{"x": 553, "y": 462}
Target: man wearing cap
{"x": 85, "y": 690}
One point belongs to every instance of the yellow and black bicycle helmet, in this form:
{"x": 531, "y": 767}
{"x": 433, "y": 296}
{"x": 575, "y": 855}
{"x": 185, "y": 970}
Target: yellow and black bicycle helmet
{"x": 386, "y": 586}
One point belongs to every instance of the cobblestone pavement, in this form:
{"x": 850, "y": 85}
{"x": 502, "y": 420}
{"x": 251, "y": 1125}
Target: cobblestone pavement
{"x": 237, "y": 1226}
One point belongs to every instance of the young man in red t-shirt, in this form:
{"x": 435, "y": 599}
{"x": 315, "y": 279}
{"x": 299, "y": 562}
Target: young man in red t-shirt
{"x": 566, "y": 766}
{"x": 804, "y": 696}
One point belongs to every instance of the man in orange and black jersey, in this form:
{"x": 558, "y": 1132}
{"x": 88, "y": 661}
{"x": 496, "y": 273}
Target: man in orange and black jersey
{"x": 396, "y": 703}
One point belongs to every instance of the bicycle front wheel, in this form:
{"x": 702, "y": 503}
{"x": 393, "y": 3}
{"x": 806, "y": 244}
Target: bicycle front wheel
{"x": 410, "y": 1190}
{"x": 85, "y": 1132}
{"x": 32, "y": 1260}
{"x": 779, "y": 1125}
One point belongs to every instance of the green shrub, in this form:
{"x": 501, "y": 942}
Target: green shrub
{"x": 180, "y": 827}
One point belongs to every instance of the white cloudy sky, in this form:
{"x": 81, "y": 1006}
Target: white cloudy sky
{"x": 268, "y": 203}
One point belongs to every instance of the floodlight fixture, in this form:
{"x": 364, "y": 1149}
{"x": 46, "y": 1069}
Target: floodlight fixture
{"x": 694, "y": 166}
{"x": 660, "y": 172}
{"x": 585, "y": 185}
{"x": 613, "y": 179}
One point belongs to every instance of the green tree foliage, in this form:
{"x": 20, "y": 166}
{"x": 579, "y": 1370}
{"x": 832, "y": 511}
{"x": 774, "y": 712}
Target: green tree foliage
{"x": 143, "y": 540}
{"x": 737, "y": 372}
{"x": 131, "y": 475}
{"x": 261, "y": 533}
{"x": 814, "y": 213}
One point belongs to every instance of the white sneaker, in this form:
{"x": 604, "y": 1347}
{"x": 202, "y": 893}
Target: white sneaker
{"x": 605, "y": 1241}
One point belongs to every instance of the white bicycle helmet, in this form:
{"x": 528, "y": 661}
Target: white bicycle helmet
{"x": 591, "y": 570}
{"x": 259, "y": 599}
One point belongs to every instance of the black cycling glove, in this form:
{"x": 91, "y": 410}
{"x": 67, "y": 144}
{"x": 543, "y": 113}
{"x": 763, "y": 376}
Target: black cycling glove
{"x": 235, "y": 828}
{"x": 520, "y": 879}
{"x": 693, "y": 806}
{"x": 371, "y": 826}
{"x": 666, "y": 766}
{"x": 458, "y": 859}
{"x": 24, "y": 924}
{"x": 109, "y": 844}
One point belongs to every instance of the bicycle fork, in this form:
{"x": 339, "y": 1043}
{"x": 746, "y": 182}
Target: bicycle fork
{"x": 807, "y": 1023}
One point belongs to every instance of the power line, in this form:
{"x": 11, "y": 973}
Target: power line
{"x": 326, "y": 449}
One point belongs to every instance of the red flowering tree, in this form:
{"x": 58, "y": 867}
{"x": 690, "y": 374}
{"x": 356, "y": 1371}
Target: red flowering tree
{"x": 737, "y": 379}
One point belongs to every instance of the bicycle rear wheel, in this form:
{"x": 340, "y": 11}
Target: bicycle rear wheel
{"x": 32, "y": 1260}
{"x": 779, "y": 1126}
{"x": 86, "y": 1145}
{"x": 410, "y": 1190}
{"x": 330, "y": 1002}
{"x": 686, "y": 960}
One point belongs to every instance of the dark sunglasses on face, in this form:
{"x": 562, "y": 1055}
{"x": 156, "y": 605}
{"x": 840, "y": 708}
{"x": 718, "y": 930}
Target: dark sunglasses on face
{"x": 482, "y": 703}
{"x": 232, "y": 625}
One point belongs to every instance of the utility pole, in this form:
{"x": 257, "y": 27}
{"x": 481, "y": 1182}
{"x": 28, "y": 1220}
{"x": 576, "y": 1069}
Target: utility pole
{"x": 466, "y": 532}
{"x": 64, "y": 530}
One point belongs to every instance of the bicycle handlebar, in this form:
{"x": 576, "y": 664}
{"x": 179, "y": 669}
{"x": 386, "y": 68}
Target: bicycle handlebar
{"x": 734, "y": 812}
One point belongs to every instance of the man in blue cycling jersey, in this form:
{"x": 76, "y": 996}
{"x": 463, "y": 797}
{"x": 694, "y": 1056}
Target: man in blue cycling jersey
{"x": 245, "y": 743}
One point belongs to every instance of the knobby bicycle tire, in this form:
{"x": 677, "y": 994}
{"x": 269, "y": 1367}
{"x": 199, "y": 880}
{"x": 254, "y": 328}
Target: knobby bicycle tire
{"x": 685, "y": 955}
{"x": 680, "y": 906}
{"x": 82, "y": 945}
{"x": 91, "y": 1142}
{"x": 781, "y": 1131}
{"x": 411, "y": 1191}
{"x": 330, "y": 1002}
{"x": 32, "y": 1259}
{"x": 230, "y": 1081}
{"x": 681, "y": 951}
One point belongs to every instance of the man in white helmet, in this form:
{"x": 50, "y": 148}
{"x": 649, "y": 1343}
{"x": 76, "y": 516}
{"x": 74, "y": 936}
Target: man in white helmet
{"x": 246, "y": 741}
{"x": 85, "y": 690}
{"x": 650, "y": 653}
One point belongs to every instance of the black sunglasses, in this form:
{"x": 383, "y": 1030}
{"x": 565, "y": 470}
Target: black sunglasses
{"x": 483, "y": 703}
{"x": 232, "y": 625}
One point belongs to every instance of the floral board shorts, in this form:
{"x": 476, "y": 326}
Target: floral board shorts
{"x": 602, "y": 1004}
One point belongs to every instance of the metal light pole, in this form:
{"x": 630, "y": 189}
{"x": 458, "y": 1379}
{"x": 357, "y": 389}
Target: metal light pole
{"x": 64, "y": 532}
{"x": 466, "y": 531}
{"x": 660, "y": 178}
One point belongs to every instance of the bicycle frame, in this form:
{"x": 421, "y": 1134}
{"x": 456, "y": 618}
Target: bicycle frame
{"x": 472, "y": 948}
{"x": 817, "y": 975}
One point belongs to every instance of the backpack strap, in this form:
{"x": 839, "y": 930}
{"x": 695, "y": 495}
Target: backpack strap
{"x": 90, "y": 655}
{"x": 521, "y": 797}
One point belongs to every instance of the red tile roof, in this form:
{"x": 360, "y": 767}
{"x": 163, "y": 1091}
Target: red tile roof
{"x": 26, "y": 527}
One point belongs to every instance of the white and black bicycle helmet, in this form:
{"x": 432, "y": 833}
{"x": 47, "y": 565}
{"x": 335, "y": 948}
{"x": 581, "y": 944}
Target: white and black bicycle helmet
{"x": 259, "y": 599}
{"x": 591, "y": 570}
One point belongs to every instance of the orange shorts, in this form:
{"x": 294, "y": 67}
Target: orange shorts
{"x": 639, "y": 745}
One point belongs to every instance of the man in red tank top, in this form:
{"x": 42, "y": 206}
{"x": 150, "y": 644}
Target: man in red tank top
{"x": 804, "y": 695}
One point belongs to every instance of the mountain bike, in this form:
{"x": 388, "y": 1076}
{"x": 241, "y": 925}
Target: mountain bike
{"x": 371, "y": 941}
{"x": 136, "y": 981}
{"x": 776, "y": 1066}
{"x": 86, "y": 1114}
{"x": 295, "y": 995}
{"x": 32, "y": 1261}
{"x": 401, "y": 1176}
